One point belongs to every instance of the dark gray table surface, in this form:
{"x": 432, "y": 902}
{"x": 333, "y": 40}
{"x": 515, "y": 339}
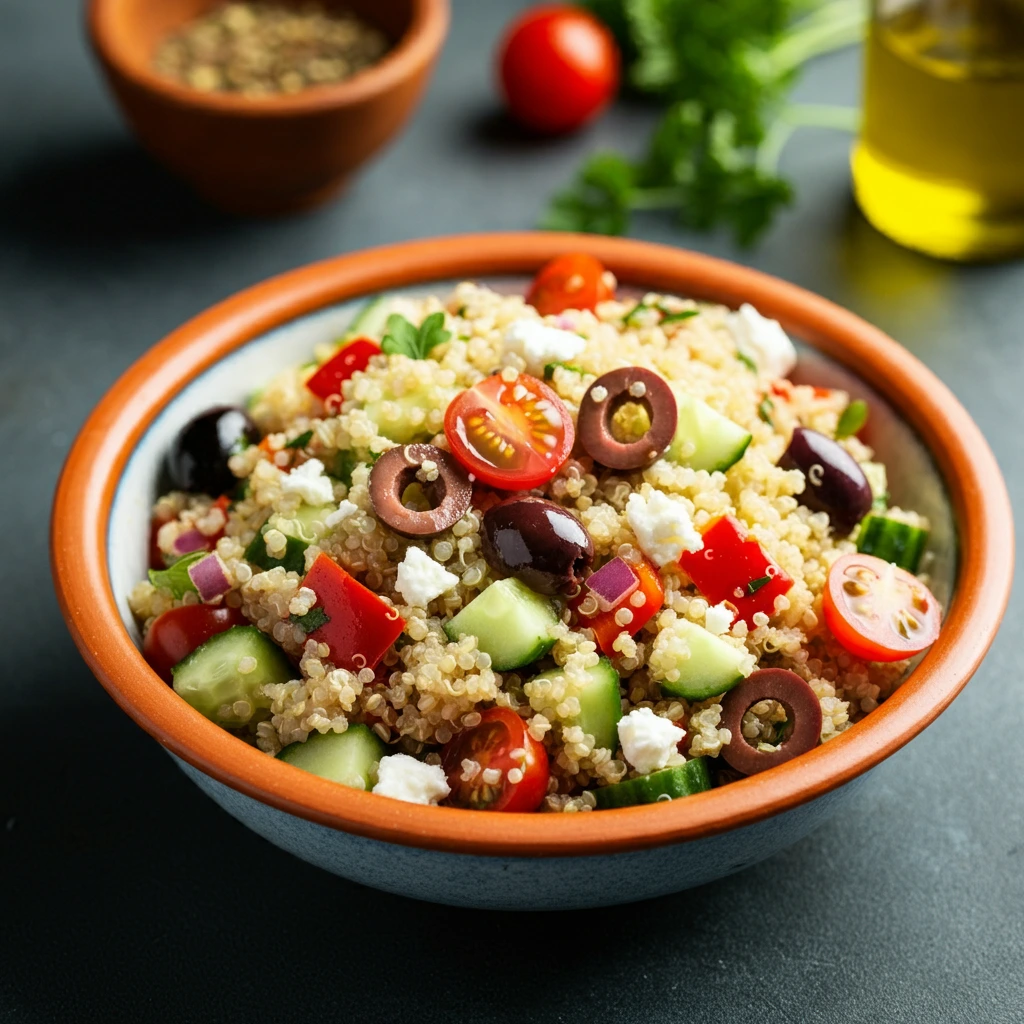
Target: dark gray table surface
{"x": 125, "y": 894}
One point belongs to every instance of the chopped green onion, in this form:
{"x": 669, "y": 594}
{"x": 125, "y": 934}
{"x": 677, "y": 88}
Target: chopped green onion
{"x": 764, "y": 410}
{"x": 853, "y": 418}
{"x": 755, "y": 585}
{"x": 669, "y": 317}
{"x": 747, "y": 361}
{"x": 301, "y": 441}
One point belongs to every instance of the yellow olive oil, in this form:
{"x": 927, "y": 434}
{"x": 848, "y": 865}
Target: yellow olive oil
{"x": 939, "y": 166}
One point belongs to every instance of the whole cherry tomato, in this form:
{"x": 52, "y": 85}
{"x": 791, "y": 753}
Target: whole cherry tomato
{"x": 559, "y": 68}
{"x": 573, "y": 281}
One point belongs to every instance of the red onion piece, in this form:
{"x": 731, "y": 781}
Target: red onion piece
{"x": 612, "y": 584}
{"x": 210, "y": 576}
{"x": 189, "y": 541}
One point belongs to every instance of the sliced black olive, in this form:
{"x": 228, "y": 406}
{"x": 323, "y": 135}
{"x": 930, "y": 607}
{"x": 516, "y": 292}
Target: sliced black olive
{"x": 538, "y": 542}
{"x": 606, "y": 396}
{"x": 198, "y": 459}
{"x": 450, "y": 494}
{"x": 803, "y": 712}
{"x": 835, "y": 482}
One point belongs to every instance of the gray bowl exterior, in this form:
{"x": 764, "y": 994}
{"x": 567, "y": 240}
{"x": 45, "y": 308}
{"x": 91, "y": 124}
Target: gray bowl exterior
{"x": 524, "y": 883}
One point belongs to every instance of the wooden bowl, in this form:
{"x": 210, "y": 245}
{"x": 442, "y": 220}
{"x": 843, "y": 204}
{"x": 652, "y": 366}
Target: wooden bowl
{"x": 270, "y": 154}
{"x": 99, "y": 538}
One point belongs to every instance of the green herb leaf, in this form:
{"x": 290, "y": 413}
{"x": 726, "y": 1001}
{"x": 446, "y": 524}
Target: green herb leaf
{"x": 764, "y": 410}
{"x": 755, "y": 585}
{"x": 549, "y": 369}
{"x": 640, "y": 307}
{"x": 403, "y": 338}
{"x": 853, "y": 418}
{"x": 669, "y": 317}
{"x": 747, "y": 361}
{"x": 175, "y": 577}
{"x": 312, "y": 620}
{"x": 301, "y": 441}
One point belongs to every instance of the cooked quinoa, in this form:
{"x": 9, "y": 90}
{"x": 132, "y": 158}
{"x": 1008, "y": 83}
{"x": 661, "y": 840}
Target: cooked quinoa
{"x": 428, "y": 688}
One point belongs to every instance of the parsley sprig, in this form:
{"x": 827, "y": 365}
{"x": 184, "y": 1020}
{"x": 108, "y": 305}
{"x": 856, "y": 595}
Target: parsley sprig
{"x": 407, "y": 339}
{"x": 723, "y": 71}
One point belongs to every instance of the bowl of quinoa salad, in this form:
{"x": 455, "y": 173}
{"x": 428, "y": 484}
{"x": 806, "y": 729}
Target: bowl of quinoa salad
{"x": 532, "y": 554}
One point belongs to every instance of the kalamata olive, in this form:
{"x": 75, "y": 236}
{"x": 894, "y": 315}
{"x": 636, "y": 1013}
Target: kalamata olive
{"x": 606, "y": 396}
{"x": 835, "y": 482}
{"x": 449, "y": 492}
{"x": 198, "y": 459}
{"x": 803, "y": 713}
{"x": 538, "y": 542}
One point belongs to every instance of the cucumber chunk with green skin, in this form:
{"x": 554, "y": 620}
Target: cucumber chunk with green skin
{"x": 600, "y": 703}
{"x": 210, "y": 679}
{"x": 350, "y": 757}
{"x": 371, "y": 320}
{"x": 713, "y": 666}
{"x": 404, "y": 419}
{"x": 719, "y": 443}
{"x": 892, "y": 540}
{"x": 667, "y": 784}
{"x": 511, "y": 623}
{"x": 305, "y": 527}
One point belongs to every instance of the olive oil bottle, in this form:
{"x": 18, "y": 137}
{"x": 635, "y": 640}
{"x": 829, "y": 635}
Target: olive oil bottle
{"x": 939, "y": 165}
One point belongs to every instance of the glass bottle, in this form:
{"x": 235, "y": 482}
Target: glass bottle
{"x": 939, "y": 165}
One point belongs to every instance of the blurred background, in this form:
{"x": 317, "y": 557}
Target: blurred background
{"x": 127, "y": 895}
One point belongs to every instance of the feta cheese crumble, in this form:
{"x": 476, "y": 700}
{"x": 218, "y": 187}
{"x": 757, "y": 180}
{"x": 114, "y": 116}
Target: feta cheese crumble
{"x": 662, "y": 526}
{"x": 649, "y": 742}
{"x": 718, "y": 619}
{"x": 402, "y": 777}
{"x": 763, "y": 340}
{"x": 309, "y": 483}
{"x": 343, "y": 511}
{"x": 421, "y": 579}
{"x": 539, "y": 344}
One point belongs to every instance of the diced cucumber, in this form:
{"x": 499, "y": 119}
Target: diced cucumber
{"x": 404, "y": 419}
{"x": 371, "y": 320}
{"x": 892, "y": 540}
{"x": 713, "y": 666}
{"x": 305, "y": 527}
{"x": 211, "y": 678}
{"x": 878, "y": 481}
{"x": 511, "y": 624}
{"x": 668, "y": 784}
{"x": 718, "y": 441}
{"x": 350, "y": 757}
{"x": 600, "y": 703}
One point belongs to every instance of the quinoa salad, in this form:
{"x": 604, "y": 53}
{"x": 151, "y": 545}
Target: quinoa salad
{"x": 559, "y": 551}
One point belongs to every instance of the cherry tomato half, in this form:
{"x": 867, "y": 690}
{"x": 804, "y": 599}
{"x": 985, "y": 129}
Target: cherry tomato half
{"x": 176, "y": 633}
{"x": 878, "y": 611}
{"x": 559, "y": 68}
{"x": 573, "y": 281}
{"x": 500, "y": 741}
{"x": 513, "y": 435}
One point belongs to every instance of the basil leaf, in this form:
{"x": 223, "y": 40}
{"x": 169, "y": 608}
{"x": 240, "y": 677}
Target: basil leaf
{"x": 432, "y": 334}
{"x": 175, "y": 577}
{"x": 401, "y": 338}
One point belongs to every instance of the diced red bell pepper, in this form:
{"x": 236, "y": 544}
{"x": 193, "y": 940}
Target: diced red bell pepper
{"x": 360, "y": 627}
{"x": 733, "y": 567}
{"x": 606, "y": 629}
{"x": 356, "y": 355}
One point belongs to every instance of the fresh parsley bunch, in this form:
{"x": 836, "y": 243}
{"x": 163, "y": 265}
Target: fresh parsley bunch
{"x": 723, "y": 68}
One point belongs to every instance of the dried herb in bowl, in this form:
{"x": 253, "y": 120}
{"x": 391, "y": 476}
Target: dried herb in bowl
{"x": 267, "y": 48}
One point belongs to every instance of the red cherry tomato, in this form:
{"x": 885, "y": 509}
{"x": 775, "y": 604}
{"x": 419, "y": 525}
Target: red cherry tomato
{"x": 878, "y": 611}
{"x": 559, "y": 68}
{"x": 513, "y": 435}
{"x": 355, "y": 356}
{"x": 500, "y": 741}
{"x": 573, "y": 281}
{"x": 606, "y": 629}
{"x": 176, "y": 633}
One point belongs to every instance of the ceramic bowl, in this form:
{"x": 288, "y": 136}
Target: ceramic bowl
{"x": 273, "y": 154}
{"x": 99, "y": 546}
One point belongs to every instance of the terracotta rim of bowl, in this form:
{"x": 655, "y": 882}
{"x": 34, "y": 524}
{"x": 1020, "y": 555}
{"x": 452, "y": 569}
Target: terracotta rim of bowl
{"x": 82, "y": 505}
{"x": 414, "y": 50}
